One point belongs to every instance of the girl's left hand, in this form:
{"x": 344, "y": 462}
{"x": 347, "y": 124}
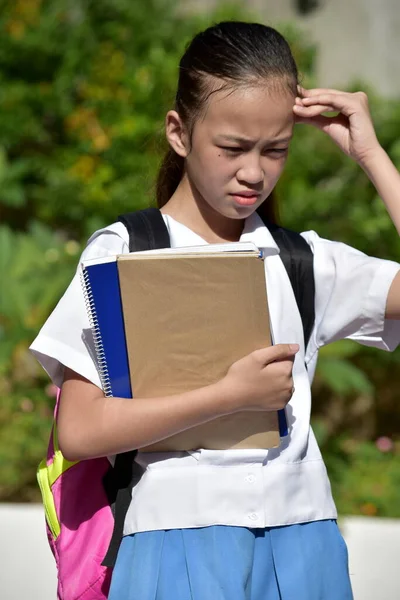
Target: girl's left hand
{"x": 352, "y": 129}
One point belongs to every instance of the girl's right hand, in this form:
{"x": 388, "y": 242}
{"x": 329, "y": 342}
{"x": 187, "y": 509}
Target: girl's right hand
{"x": 261, "y": 380}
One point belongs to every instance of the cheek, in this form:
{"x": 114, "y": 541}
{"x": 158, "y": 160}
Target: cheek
{"x": 273, "y": 168}
{"x": 223, "y": 171}
{"x": 212, "y": 168}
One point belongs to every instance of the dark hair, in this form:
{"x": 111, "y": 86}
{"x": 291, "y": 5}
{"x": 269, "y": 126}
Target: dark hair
{"x": 235, "y": 54}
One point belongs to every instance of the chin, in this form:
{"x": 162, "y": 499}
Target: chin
{"x": 233, "y": 211}
{"x": 242, "y": 212}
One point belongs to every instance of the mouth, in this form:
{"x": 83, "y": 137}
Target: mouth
{"x": 246, "y": 198}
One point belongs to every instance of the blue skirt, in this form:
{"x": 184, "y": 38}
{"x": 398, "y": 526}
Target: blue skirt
{"x": 296, "y": 562}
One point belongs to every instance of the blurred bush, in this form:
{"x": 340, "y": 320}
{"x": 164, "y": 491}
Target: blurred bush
{"x": 84, "y": 87}
{"x": 365, "y": 475}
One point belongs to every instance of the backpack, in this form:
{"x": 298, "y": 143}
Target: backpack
{"x": 86, "y": 501}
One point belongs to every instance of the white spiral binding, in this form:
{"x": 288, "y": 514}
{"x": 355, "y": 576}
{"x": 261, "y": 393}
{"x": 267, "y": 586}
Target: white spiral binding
{"x": 98, "y": 342}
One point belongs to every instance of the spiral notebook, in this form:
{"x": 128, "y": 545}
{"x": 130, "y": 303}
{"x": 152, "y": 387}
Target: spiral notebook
{"x": 167, "y": 321}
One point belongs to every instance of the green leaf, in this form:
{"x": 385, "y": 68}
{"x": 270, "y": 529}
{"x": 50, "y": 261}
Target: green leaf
{"x": 342, "y": 377}
{"x": 13, "y": 195}
{"x": 340, "y": 349}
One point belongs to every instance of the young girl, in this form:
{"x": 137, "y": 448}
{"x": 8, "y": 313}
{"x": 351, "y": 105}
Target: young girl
{"x": 234, "y": 524}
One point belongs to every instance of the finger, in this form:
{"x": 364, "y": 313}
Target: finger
{"x": 299, "y": 103}
{"x": 275, "y": 353}
{"x": 322, "y": 99}
{"x": 340, "y": 102}
{"x": 309, "y": 111}
{"x": 307, "y": 93}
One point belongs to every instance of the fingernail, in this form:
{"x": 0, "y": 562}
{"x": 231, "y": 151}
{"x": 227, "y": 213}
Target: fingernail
{"x": 294, "y": 347}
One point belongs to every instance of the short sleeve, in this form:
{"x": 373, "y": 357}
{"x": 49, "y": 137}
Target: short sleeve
{"x": 65, "y": 339}
{"x": 351, "y": 291}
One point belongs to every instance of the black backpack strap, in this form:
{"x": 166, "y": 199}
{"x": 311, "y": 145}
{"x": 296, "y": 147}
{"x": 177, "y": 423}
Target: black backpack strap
{"x": 298, "y": 259}
{"x": 118, "y": 483}
{"x": 147, "y": 231}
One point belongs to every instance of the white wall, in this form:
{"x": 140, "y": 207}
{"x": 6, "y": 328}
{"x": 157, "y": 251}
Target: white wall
{"x": 357, "y": 39}
{"x": 27, "y": 568}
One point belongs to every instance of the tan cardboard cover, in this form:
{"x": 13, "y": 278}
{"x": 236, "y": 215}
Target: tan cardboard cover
{"x": 187, "y": 319}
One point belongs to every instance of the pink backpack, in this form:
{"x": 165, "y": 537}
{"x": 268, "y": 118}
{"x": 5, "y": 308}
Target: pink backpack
{"x": 79, "y": 521}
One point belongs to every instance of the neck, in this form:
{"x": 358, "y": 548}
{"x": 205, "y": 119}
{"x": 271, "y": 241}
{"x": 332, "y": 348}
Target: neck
{"x": 188, "y": 207}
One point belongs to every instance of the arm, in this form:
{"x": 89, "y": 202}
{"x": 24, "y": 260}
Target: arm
{"x": 90, "y": 425}
{"x": 353, "y": 131}
{"x": 386, "y": 179}
{"x": 393, "y": 301}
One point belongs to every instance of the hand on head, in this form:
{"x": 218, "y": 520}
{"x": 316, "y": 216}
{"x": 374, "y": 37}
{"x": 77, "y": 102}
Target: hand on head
{"x": 351, "y": 128}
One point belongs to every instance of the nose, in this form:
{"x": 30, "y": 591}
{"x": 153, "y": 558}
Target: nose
{"x": 251, "y": 172}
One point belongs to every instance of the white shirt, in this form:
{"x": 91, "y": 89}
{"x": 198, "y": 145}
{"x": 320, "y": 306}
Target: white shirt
{"x": 250, "y": 488}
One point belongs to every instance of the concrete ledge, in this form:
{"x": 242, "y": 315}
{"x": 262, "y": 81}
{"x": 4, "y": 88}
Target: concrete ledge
{"x": 374, "y": 546}
{"x": 27, "y": 568}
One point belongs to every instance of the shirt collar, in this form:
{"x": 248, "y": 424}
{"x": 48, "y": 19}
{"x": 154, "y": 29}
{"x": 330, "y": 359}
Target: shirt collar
{"x": 255, "y": 231}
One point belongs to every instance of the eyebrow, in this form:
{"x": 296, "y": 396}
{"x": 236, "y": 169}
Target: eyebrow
{"x": 245, "y": 140}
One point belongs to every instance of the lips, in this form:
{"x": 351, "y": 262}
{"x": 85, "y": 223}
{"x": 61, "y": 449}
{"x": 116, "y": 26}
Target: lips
{"x": 246, "y": 194}
{"x": 245, "y": 198}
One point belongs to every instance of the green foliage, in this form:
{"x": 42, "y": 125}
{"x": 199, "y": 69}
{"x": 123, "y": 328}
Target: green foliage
{"x": 36, "y": 266}
{"x": 340, "y": 375}
{"x": 84, "y": 87}
{"x": 25, "y": 420}
{"x": 365, "y": 475}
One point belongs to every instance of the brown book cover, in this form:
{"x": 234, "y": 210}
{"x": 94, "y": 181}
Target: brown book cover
{"x": 187, "y": 318}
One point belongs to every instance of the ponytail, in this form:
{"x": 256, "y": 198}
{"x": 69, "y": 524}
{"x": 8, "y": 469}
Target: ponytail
{"x": 169, "y": 176}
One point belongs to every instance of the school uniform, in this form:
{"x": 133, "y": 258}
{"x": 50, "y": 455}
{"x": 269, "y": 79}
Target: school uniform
{"x": 239, "y": 524}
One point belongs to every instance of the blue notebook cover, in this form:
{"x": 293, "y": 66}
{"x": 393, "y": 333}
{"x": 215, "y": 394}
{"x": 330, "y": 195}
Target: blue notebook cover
{"x": 103, "y": 298}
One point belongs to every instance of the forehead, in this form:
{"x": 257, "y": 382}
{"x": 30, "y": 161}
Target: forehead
{"x": 258, "y": 112}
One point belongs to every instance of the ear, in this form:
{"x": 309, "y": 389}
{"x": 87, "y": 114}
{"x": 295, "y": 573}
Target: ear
{"x": 176, "y": 133}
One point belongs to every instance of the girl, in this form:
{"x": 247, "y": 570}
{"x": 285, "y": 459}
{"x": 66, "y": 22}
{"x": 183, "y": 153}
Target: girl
{"x": 239, "y": 524}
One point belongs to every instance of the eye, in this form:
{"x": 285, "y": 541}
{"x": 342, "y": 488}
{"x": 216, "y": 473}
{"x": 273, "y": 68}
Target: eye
{"x": 232, "y": 149}
{"x": 276, "y": 151}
